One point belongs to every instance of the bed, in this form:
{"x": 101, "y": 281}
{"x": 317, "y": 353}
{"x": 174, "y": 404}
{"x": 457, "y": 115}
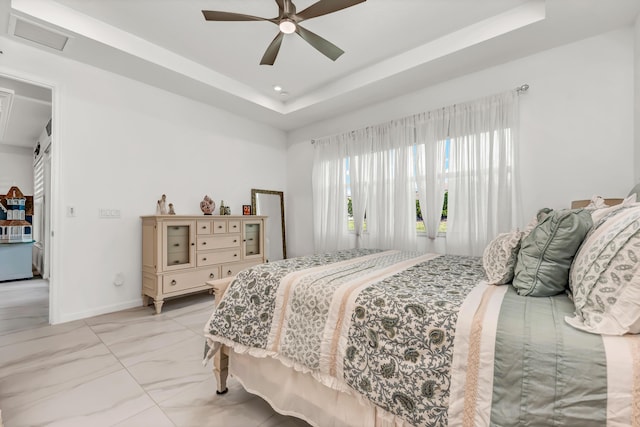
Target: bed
{"x": 391, "y": 338}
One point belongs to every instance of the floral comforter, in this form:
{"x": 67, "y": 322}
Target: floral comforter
{"x": 380, "y": 324}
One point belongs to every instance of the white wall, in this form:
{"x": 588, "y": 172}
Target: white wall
{"x": 120, "y": 144}
{"x": 576, "y": 136}
{"x": 16, "y": 169}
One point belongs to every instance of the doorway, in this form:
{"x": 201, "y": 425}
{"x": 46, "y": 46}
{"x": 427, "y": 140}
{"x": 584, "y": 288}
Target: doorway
{"x": 26, "y": 145}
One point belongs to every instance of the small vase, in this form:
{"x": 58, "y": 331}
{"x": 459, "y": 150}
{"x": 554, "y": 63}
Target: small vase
{"x": 207, "y": 205}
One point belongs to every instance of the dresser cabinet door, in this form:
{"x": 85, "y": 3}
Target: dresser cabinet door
{"x": 178, "y": 245}
{"x": 252, "y": 244}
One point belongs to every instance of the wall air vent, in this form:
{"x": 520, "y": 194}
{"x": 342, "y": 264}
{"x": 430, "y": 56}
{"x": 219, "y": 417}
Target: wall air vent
{"x": 6, "y": 102}
{"x": 36, "y": 33}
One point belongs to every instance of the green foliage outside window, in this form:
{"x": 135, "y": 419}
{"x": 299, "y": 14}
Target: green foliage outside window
{"x": 420, "y": 227}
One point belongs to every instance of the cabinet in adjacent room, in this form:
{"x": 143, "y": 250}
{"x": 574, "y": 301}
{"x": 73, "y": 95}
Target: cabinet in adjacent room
{"x": 187, "y": 254}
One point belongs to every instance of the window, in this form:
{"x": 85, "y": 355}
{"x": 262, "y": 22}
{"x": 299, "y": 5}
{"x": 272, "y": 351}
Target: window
{"x": 420, "y": 225}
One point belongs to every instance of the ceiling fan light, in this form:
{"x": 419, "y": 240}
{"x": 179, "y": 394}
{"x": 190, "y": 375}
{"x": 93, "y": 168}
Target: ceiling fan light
{"x": 287, "y": 26}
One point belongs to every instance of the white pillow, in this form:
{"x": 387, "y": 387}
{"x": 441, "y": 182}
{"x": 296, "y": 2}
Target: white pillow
{"x": 500, "y": 256}
{"x": 605, "y": 275}
{"x": 599, "y": 213}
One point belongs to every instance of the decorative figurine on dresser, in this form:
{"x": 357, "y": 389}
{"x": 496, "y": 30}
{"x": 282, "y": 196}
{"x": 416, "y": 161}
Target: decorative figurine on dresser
{"x": 184, "y": 254}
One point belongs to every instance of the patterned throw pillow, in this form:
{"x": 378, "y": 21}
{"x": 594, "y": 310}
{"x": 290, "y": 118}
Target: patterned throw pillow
{"x": 500, "y": 255}
{"x": 605, "y": 275}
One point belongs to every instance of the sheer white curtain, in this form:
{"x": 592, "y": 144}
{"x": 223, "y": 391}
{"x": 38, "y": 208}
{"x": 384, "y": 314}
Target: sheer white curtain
{"x": 359, "y": 148}
{"x": 382, "y": 187}
{"x": 482, "y": 179}
{"x": 329, "y": 195}
{"x": 391, "y": 214}
{"x": 390, "y": 161}
{"x": 432, "y": 132}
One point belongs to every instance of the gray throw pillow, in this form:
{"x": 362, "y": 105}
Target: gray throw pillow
{"x": 546, "y": 253}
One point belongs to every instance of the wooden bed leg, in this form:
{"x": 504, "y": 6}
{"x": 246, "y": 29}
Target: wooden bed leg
{"x": 221, "y": 369}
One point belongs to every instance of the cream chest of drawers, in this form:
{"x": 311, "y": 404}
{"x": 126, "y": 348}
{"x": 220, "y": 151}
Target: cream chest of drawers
{"x": 180, "y": 254}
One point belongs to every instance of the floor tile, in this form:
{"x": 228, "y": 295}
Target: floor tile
{"x": 40, "y": 331}
{"x": 25, "y": 353}
{"x": 135, "y": 340}
{"x": 24, "y": 304}
{"x": 104, "y": 401}
{"x": 169, "y": 371}
{"x": 278, "y": 420}
{"x": 200, "y": 406}
{"x": 23, "y": 383}
{"x": 152, "y": 417}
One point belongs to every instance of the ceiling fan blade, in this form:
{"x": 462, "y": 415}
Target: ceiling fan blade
{"x": 213, "y": 15}
{"x": 325, "y": 47}
{"x": 270, "y": 54}
{"x": 324, "y": 7}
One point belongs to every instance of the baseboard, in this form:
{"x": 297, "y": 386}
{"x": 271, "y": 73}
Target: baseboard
{"x": 68, "y": 317}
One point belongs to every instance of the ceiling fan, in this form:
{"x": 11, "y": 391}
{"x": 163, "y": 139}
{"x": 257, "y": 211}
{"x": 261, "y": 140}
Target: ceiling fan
{"x": 288, "y": 20}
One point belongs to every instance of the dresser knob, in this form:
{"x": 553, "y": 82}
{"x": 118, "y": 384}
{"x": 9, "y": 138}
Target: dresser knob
{"x": 235, "y": 241}
{"x": 173, "y": 283}
{"x": 211, "y": 276}
{"x": 176, "y": 244}
{"x": 204, "y": 259}
{"x": 235, "y": 254}
{"x": 229, "y": 273}
{"x": 204, "y": 243}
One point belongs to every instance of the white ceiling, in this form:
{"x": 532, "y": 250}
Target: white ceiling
{"x": 30, "y": 113}
{"x": 391, "y": 47}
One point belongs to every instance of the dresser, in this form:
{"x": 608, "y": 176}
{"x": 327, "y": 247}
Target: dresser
{"x": 186, "y": 254}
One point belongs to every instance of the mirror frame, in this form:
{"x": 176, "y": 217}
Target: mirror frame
{"x": 254, "y": 192}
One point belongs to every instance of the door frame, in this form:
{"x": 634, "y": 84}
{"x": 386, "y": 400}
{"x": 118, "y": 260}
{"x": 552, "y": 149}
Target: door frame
{"x": 53, "y": 252}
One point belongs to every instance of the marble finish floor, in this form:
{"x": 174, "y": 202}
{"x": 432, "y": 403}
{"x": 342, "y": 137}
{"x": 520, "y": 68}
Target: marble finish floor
{"x": 127, "y": 369}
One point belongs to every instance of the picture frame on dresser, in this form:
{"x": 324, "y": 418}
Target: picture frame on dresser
{"x": 246, "y": 209}
{"x": 183, "y": 254}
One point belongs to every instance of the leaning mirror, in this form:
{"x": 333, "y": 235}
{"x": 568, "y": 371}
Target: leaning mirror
{"x": 271, "y": 204}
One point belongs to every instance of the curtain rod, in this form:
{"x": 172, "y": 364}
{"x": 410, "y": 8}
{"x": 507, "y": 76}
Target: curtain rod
{"x": 520, "y": 90}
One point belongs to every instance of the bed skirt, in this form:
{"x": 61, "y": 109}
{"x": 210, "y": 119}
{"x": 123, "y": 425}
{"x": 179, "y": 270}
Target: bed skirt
{"x": 297, "y": 394}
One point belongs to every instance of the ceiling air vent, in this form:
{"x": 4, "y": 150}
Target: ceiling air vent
{"x": 6, "y": 102}
{"x": 38, "y": 34}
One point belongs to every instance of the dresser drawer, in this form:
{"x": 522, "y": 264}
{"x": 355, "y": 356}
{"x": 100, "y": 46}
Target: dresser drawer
{"x": 230, "y": 270}
{"x": 233, "y": 226}
{"x": 203, "y": 227}
{"x": 210, "y": 258}
{"x": 218, "y": 242}
{"x": 219, "y": 226}
{"x": 182, "y": 281}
